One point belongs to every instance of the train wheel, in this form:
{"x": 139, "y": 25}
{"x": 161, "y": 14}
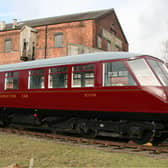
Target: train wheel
{"x": 87, "y": 132}
{"x": 90, "y": 133}
{"x": 4, "y": 124}
{"x": 160, "y": 140}
{"x": 146, "y": 136}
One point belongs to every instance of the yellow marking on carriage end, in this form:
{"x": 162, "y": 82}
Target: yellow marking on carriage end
{"x": 148, "y": 144}
{"x": 7, "y": 96}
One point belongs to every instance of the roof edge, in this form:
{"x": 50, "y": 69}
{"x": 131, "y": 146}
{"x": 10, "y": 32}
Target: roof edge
{"x": 61, "y": 19}
{"x": 68, "y": 60}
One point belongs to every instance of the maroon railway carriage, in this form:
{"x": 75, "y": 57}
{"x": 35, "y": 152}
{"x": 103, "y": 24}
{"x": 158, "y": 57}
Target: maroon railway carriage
{"x": 109, "y": 93}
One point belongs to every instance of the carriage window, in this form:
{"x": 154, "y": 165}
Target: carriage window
{"x": 143, "y": 72}
{"x": 11, "y": 80}
{"x": 158, "y": 69}
{"x": 36, "y": 79}
{"x": 58, "y": 77}
{"x": 83, "y": 76}
{"x": 116, "y": 74}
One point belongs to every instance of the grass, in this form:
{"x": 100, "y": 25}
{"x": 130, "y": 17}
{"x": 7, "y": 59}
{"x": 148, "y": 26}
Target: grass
{"x": 51, "y": 154}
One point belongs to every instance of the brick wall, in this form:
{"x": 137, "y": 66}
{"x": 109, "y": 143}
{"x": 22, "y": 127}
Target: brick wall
{"x": 14, "y": 55}
{"x": 75, "y": 33}
{"x": 80, "y": 32}
{"x": 111, "y": 24}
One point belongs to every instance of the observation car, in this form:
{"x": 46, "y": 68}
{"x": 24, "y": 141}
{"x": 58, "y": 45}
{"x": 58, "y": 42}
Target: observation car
{"x": 116, "y": 94}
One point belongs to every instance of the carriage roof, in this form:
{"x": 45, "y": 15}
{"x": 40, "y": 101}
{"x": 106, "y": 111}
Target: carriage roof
{"x": 67, "y": 60}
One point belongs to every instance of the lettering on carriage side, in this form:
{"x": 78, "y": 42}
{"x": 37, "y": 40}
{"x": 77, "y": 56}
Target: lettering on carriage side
{"x": 3, "y": 96}
{"x": 24, "y": 96}
{"x": 90, "y": 95}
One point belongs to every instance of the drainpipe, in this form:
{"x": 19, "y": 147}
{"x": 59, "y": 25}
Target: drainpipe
{"x": 46, "y": 37}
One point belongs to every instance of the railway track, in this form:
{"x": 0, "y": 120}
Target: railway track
{"x": 101, "y": 143}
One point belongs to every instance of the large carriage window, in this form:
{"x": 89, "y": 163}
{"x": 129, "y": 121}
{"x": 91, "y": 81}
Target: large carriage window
{"x": 58, "y": 77}
{"x": 160, "y": 72}
{"x": 11, "y": 80}
{"x": 83, "y": 76}
{"x": 36, "y": 79}
{"x": 143, "y": 72}
{"x": 116, "y": 74}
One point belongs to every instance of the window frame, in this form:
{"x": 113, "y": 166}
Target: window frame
{"x": 48, "y": 76}
{"x": 83, "y": 70}
{"x": 155, "y": 77}
{"x": 58, "y": 45}
{"x": 156, "y": 72}
{"x": 36, "y": 74}
{"x": 13, "y": 77}
{"x": 128, "y": 69}
{"x": 6, "y": 48}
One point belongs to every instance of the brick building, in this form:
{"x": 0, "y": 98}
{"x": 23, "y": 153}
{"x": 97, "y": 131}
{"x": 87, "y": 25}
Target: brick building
{"x": 60, "y": 36}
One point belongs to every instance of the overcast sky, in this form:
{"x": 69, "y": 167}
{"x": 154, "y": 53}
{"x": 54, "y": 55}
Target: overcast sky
{"x": 144, "y": 22}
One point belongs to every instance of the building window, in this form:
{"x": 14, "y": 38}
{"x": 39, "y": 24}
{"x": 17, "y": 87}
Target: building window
{"x": 11, "y": 80}
{"x": 108, "y": 45}
{"x": 99, "y": 42}
{"x": 83, "y": 75}
{"x": 24, "y": 47}
{"x": 36, "y": 79}
{"x": 58, "y": 40}
{"x": 116, "y": 74}
{"x": 117, "y": 48}
{"x": 8, "y": 45}
{"x": 58, "y": 77}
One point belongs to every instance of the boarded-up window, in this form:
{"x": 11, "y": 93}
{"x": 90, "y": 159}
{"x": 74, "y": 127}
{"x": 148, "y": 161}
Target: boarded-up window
{"x": 8, "y": 45}
{"x": 58, "y": 40}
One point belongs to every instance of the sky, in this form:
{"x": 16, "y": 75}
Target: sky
{"x": 144, "y": 22}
